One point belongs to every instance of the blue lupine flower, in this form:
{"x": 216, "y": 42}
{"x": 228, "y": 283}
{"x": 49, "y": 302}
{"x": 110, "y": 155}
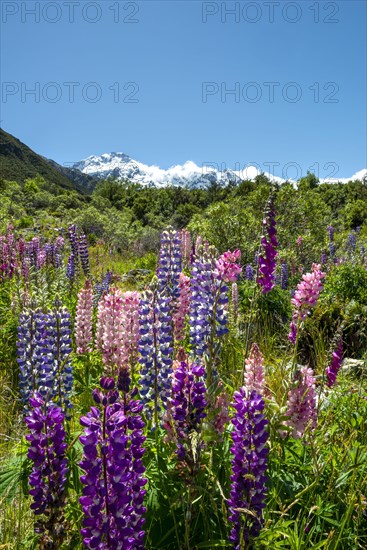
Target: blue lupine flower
{"x": 284, "y": 276}
{"x": 170, "y": 263}
{"x": 156, "y": 349}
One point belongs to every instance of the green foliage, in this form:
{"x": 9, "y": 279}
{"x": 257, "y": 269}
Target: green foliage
{"x": 346, "y": 282}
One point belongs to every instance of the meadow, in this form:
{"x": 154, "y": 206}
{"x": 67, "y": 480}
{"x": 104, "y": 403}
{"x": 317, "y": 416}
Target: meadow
{"x": 206, "y": 391}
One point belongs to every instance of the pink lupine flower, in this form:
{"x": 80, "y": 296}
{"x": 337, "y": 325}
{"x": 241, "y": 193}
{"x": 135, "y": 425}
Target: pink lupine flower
{"x": 183, "y": 305}
{"x": 226, "y": 266}
{"x": 222, "y": 416}
{"x": 83, "y": 320}
{"x": 186, "y": 246}
{"x": 336, "y": 362}
{"x": 305, "y": 298}
{"x": 254, "y": 367}
{"x": 301, "y": 403}
{"x": 299, "y": 241}
{"x": 41, "y": 258}
{"x": 110, "y": 328}
{"x": 130, "y": 327}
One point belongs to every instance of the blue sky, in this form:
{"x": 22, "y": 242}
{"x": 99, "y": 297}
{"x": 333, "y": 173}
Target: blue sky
{"x": 153, "y": 79}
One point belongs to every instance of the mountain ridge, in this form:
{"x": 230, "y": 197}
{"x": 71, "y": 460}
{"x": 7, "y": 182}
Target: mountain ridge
{"x": 121, "y": 166}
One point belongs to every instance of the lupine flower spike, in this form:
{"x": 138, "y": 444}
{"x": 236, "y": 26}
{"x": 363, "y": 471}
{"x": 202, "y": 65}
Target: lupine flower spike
{"x": 83, "y": 320}
{"x": 269, "y": 243}
{"x": 336, "y": 362}
{"x": 305, "y": 298}
{"x": 46, "y": 450}
{"x": 186, "y": 408}
{"x": 301, "y": 403}
{"x": 254, "y": 371}
{"x": 113, "y": 493}
{"x": 248, "y": 490}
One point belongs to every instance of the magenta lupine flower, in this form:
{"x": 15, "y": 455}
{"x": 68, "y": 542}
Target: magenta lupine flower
{"x": 183, "y": 304}
{"x": 110, "y": 329}
{"x": 269, "y": 243}
{"x": 336, "y": 362}
{"x": 299, "y": 240}
{"x": 7, "y": 253}
{"x": 254, "y": 371}
{"x": 83, "y": 319}
{"x": 227, "y": 267}
{"x": 113, "y": 493}
{"x": 186, "y": 407}
{"x": 305, "y": 298}
{"x": 248, "y": 490}
{"x": 301, "y": 403}
{"x": 46, "y": 450}
{"x": 130, "y": 327}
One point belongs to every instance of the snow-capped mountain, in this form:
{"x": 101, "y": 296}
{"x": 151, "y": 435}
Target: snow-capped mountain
{"x": 120, "y": 166}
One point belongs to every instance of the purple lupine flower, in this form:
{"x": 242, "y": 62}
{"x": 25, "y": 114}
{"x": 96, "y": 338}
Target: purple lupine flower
{"x": 249, "y": 272}
{"x": 323, "y": 258}
{"x": 58, "y": 248}
{"x": 62, "y": 361}
{"x": 208, "y": 313}
{"x": 103, "y": 286}
{"x": 336, "y": 362}
{"x": 186, "y": 407}
{"x": 48, "y": 249}
{"x": 155, "y": 349}
{"x": 331, "y": 231}
{"x": 113, "y": 491}
{"x": 249, "y": 463}
{"x": 84, "y": 254}
{"x": 352, "y": 241}
{"x": 106, "y": 281}
{"x": 332, "y": 250}
{"x": 269, "y": 243}
{"x": 170, "y": 263}
{"x": 284, "y": 276}
{"x": 47, "y": 452}
{"x": 70, "y": 268}
{"x": 73, "y": 239}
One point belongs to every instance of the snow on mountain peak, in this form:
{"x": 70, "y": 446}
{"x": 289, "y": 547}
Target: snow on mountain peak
{"x": 122, "y": 167}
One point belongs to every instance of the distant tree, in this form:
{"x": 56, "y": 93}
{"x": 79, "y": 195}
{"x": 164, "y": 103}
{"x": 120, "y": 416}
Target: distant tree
{"x": 310, "y": 181}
